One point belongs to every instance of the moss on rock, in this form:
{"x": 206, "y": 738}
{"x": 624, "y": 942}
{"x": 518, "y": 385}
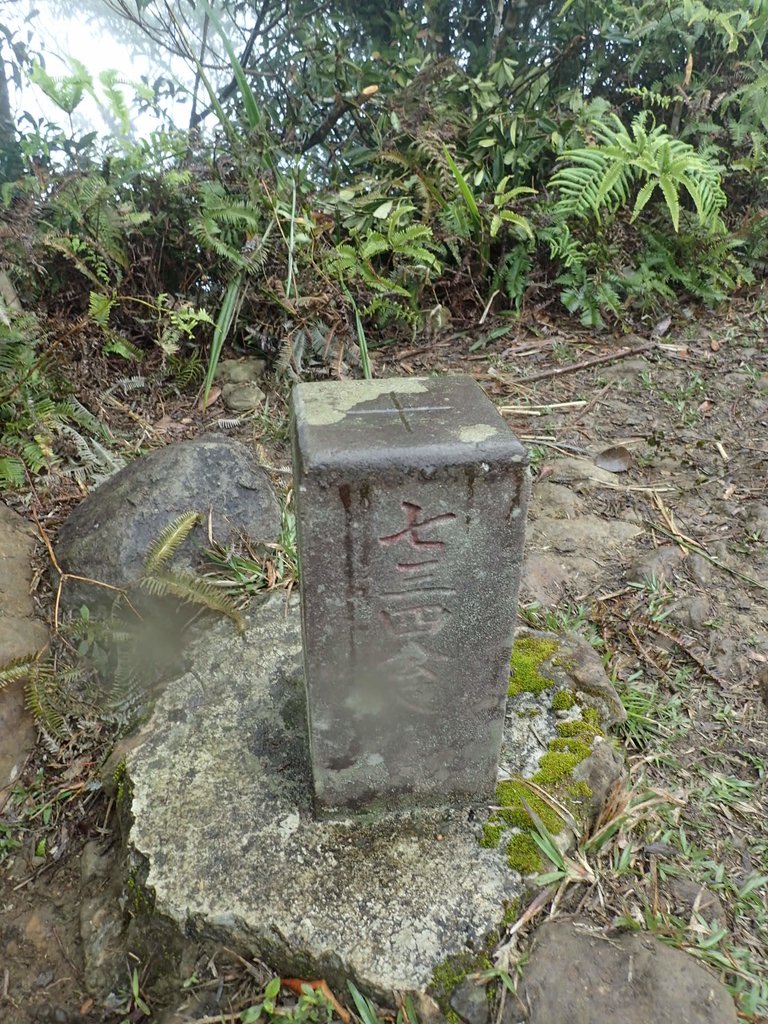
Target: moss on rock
{"x": 523, "y": 854}
{"x": 563, "y": 700}
{"x": 491, "y": 836}
{"x": 578, "y": 727}
{"x": 510, "y": 795}
{"x": 528, "y": 654}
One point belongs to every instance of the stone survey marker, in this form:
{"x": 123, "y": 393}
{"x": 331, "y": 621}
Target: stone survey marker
{"x": 411, "y": 499}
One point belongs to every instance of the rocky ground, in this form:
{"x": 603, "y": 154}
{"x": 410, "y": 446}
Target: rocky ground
{"x": 648, "y": 535}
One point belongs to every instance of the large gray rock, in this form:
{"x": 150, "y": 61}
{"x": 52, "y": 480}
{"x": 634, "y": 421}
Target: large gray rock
{"x": 580, "y": 975}
{"x": 222, "y": 821}
{"x": 21, "y": 634}
{"x": 107, "y": 536}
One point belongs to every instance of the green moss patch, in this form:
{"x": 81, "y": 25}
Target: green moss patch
{"x": 523, "y": 854}
{"x": 510, "y": 796}
{"x": 528, "y": 654}
{"x": 563, "y": 700}
{"x": 578, "y": 728}
{"x": 571, "y": 745}
{"x": 554, "y": 766}
{"x": 455, "y": 969}
{"x": 491, "y": 836}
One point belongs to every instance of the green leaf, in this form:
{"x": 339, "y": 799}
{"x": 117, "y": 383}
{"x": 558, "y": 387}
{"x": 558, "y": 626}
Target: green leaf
{"x": 272, "y": 991}
{"x": 365, "y": 1008}
{"x": 643, "y": 196}
{"x": 672, "y": 198}
{"x": 233, "y": 298}
{"x": 464, "y": 188}
{"x": 252, "y": 112}
{"x": 194, "y": 591}
{"x": 99, "y": 307}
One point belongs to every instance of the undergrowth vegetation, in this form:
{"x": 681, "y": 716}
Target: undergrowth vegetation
{"x": 417, "y": 169}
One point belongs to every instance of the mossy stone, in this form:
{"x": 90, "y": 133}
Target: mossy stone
{"x": 563, "y": 700}
{"x": 528, "y": 654}
{"x": 523, "y": 854}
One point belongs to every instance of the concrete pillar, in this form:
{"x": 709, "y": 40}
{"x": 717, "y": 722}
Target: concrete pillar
{"x": 411, "y": 497}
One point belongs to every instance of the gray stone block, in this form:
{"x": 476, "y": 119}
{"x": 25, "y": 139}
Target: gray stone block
{"x": 411, "y": 498}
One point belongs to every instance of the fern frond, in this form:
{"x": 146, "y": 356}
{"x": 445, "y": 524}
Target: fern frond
{"x": 170, "y": 540}
{"x": 603, "y": 176}
{"x": 193, "y": 591}
{"x": 99, "y": 307}
{"x": 40, "y": 696}
{"x": 18, "y": 668}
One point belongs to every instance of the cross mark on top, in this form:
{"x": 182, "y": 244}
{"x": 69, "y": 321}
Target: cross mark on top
{"x": 400, "y": 410}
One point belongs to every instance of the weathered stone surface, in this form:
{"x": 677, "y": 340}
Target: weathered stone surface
{"x": 411, "y": 502}
{"x": 578, "y": 975}
{"x": 242, "y": 397}
{"x": 470, "y": 1001}
{"x": 240, "y": 371}
{"x": 222, "y": 817}
{"x": 101, "y": 933}
{"x": 21, "y": 633}
{"x": 556, "y": 501}
{"x": 544, "y": 577}
{"x": 568, "y": 664}
{"x": 687, "y": 898}
{"x": 109, "y": 533}
{"x": 660, "y": 564}
{"x": 602, "y": 770}
{"x": 589, "y": 535}
{"x": 582, "y": 475}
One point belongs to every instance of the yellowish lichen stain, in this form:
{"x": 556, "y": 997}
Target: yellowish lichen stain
{"x": 329, "y": 402}
{"x": 477, "y": 432}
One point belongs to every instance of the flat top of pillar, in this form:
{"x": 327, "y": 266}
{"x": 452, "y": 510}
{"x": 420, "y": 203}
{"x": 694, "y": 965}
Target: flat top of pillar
{"x": 448, "y": 420}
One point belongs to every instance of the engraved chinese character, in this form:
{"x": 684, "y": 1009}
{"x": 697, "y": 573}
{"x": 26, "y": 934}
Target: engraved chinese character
{"x": 411, "y": 532}
{"x": 422, "y": 620}
{"x": 415, "y": 673}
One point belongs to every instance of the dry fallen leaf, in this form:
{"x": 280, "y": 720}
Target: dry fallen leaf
{"x": 662, "y": 327}
{"x": 295, "y": 985}
{"x": 213, "y": 396}
{"x": 614, "y": 460}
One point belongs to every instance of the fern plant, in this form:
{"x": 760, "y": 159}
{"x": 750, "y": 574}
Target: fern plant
{"x": 389, "y": 260}
{"x": 603, "y": 176}
{"x": 39, "y": 428}
{"x": 110, "y": 664}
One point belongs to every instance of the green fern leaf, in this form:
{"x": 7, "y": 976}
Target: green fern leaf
{"x": 170, "y": 540}
{"x": 12, "y": 472}
{"x": 39, "y": 698}
{"x": 18, "y": 669}
{"x": 643, "y": 196}
{"x": 193, "y": 591}
{"x": 672, "y": 198}
{"x": 99, "y": 308}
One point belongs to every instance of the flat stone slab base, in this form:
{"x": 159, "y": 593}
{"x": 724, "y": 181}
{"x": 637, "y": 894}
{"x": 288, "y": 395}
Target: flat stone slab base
{"x": 221, "y": 806}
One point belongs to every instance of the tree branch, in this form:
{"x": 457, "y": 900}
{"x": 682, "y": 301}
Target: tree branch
{"x": 231, "y": 87}
{"x": 341, "y": 105}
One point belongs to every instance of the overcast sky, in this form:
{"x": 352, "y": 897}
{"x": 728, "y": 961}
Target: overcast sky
{"x": 61, "y": 37}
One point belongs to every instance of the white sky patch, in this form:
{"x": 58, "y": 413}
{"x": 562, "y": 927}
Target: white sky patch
{"x": 60, "y": 38}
